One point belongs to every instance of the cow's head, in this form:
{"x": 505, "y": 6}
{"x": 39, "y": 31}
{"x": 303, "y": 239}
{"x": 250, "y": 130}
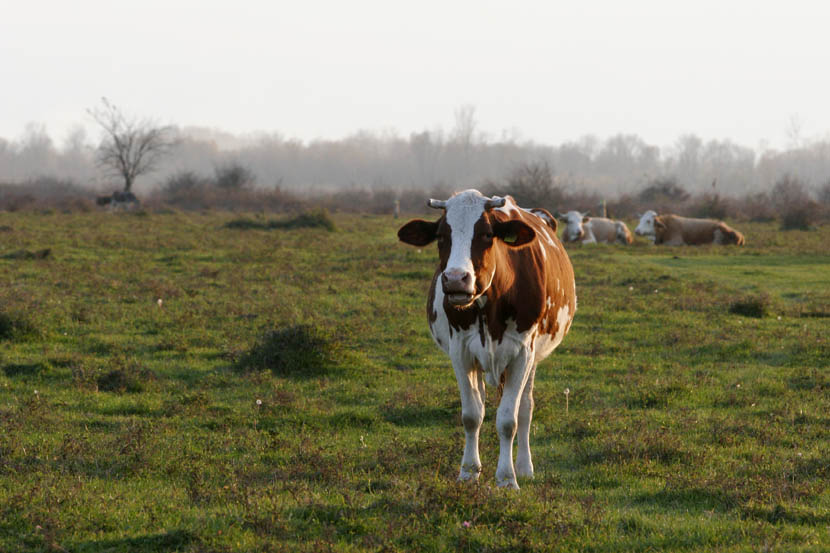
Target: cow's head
{"x": 622, "y": 233}
{"x": 574, "y": 220}
{"x": 649, "y": 225}
{"x": 470, "y": 235}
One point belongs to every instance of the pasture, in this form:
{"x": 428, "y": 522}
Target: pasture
{"x": 285, "y": 395}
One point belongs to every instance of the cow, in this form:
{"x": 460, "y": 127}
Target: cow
{"x": 673, "y": 230}
{"x": 501, "y": 300}
{"x": 590, "y": 230}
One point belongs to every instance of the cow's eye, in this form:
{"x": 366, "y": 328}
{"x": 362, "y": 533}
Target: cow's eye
{"x": 488, "y": 235}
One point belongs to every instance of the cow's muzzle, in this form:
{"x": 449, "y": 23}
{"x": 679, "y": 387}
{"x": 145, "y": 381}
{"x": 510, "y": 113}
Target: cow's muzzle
{"x": 458, "y": 286}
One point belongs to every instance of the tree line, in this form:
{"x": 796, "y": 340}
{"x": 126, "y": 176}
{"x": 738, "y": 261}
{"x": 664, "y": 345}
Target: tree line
{"x": 387, "y": 163}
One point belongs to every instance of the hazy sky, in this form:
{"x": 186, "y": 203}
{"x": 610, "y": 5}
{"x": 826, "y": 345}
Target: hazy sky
{"x": 546, "y": 71}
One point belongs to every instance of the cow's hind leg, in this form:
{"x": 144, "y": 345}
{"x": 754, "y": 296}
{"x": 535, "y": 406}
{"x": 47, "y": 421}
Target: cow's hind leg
{"x": 524, "y": 463}
{"x": 516, "y": 376}
{"x": 470, "y": 385}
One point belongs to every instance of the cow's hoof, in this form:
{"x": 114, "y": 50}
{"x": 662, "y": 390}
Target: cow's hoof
{"x": 469, "y": 474}
{"x": 508, "y": 484}
{"x": 524, "y": 471}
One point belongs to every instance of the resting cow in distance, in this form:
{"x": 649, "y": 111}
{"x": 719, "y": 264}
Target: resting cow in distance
{"x": 673, "y": 230}
{"x": 579, "y": 227}
{"x": 502, "y": 298}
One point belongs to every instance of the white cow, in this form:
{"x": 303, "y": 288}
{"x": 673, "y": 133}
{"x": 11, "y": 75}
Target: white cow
{"x": 590, "y": 230}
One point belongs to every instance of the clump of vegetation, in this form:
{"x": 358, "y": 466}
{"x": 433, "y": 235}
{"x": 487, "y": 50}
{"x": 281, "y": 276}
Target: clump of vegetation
{"x": 316, "y": 218}
{"x": 757, "y": 306}
{"x": 798, "y": 211}
{"x": 663, "y": 190}
{"x": 299, "y": 350}
{"x": 127, "y": 377}
{"x": 532, "y": 184}
{"x": 26, "y": 254}
{"x": 15, "y": 326}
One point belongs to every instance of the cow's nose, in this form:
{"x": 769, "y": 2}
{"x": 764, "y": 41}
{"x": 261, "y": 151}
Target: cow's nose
{"x": 457, "y": 280}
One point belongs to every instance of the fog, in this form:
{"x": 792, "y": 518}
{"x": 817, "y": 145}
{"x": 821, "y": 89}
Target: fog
{"x": 460, "y": 157}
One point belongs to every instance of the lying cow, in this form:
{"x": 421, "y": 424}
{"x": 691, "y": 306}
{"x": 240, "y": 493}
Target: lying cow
{"x": 502, "y": 298}
{"x": 590, "y": 230}
{"x": 673, "y": 230}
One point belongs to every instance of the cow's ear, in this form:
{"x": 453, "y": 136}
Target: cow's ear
{"x": 514, "y": 233}
{"x": 418, "y": 232}
{"x": 585, "y": 218}
{"x": 658, "y": 223}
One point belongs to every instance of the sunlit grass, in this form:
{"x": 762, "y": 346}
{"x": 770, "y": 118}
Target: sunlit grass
{"x": 688, "y": 427}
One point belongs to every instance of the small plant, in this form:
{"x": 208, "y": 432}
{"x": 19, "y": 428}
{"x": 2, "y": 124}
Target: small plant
{"x": 317, "y": 218}
{"x": 752, "y": 306}
{"x": 299, "y": 350}
{"x": 14, "y": 326}
{"x": 126, "y": 377}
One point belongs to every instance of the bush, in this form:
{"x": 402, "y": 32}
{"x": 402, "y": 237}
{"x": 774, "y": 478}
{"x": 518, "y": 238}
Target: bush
{"x": 797, "y": 210}
{"x": 711, "y": 206}
{"x": 532, "y": 185}
{"x": 663, "y": 190}
{"x": 758, "y": 208}
{"x": 183, "y": 182}
{"x": 14, "y": 326}
{"x": 318, "y": 218}
{"x": 752, "y": 306}
{"x": 299, "y": 350}
{"x": 234, "y": 176}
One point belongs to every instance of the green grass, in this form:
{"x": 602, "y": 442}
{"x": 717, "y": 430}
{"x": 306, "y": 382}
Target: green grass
{"x": 126, "y": 425}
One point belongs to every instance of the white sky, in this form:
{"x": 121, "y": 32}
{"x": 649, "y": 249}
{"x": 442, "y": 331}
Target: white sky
{"x": 547, "y": 71}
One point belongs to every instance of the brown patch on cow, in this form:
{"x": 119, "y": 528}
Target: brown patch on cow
{"x": 522, "y": 279}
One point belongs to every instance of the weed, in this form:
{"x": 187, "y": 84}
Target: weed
{"x": 757, "y": 306}
{"x": 298, "y": 351}
{"x": 16, "y": 327}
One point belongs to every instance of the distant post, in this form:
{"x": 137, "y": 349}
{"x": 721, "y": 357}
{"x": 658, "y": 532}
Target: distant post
{"x": 397, "y": 209}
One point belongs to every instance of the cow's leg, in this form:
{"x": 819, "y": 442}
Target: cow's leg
{"x": 470, "y": 385}
{"x": 524, "y": 463}
{"x": 515, "y": 379}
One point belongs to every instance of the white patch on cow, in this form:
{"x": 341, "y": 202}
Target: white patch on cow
{"x": 574, "y": 226}
{"x": 646, "y": 225}
{"x": 440, "y": 328}
{"x": 463, "y": 210}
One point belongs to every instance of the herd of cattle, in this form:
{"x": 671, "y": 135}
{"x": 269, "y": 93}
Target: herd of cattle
{"x": 503, "y": 297}
{"x": 668, "y": 229}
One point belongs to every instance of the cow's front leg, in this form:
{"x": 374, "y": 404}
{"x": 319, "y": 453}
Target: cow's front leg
{"x": 515, "y": 377}
{"x": 471, "y": 386}
{"x": 524, "y": 463}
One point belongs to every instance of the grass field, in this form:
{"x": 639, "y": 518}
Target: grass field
{"x": 285, "y": 395}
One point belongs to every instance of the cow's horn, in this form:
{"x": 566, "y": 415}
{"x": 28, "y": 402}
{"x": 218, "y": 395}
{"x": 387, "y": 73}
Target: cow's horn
{"x": 437, "y": 204}
{"x": 494, "y": 202}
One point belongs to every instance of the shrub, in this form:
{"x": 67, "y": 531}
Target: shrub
{"x": 711, "y": 205}
{"x": 299, "y": 350}
{"x": 757, "y": 306}
{"x": 183, "y": 182}
{"x": 758, "y": 208}
{"x": 317, "y": 218}
{"x": 663, "y": 190}
{"x": 796, "y": 209}
{"x": 14, "y": 326}
{"x": 234, "y": 176}
{"x": 532, "y": 185}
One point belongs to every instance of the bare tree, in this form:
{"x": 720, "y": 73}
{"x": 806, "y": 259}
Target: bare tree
{"x": 131, "y": 147}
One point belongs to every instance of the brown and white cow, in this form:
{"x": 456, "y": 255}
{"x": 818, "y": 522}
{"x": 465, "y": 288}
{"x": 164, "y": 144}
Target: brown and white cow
{"x": 673, "y": 230}
{"x": 579, "y": 227}
{"x": 502, "y": 298}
